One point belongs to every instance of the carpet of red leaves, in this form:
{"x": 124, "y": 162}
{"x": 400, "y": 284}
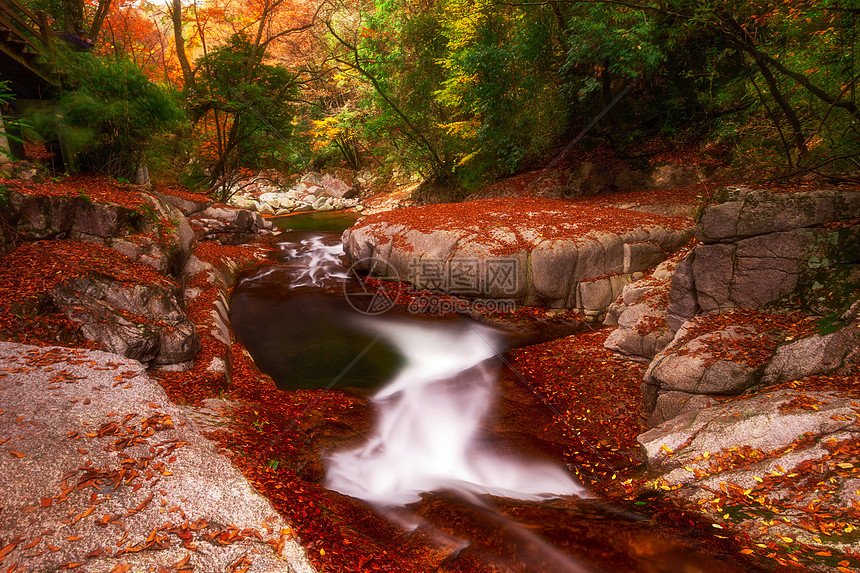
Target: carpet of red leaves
{"x": 31, "y": 271}
{"x": 95, "y": 187}
{"x": 596, "y": 398}
{"x": 499, "y": 223}
{"x": 594, "y": 394}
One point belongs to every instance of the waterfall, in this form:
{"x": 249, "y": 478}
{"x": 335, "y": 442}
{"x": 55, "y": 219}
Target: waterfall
{"x": 428, "y": 419}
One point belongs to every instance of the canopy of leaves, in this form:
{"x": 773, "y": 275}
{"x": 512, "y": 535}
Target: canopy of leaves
{"x": 468, "y": 91}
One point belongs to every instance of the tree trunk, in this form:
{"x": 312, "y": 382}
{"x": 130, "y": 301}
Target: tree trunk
{"x": 73, "y": 16}
{"x": 787, "y": 110}
{"x": 99, "y": 18}
{"x": 175, "y": 11}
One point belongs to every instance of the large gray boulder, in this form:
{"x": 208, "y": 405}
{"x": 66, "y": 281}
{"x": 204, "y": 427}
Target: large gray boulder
{"x": 701, "y": 363}
{"x": 570, "y": 257}
{"x": 143, "y": 322}
{"x": 820, "y": 353}
{"x": 334, "y": 186}
{"x": 760, "y": 246}
{"x": 156, "y": 234}
{"x": 760, "y": 455}
{"x": 109, "y": 475}
{"x": 188, "y": 203}
{"x": 44, "y": 217}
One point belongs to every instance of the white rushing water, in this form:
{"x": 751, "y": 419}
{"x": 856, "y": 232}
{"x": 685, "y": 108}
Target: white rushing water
{"x": 310, "y": 261}
{"x": 427, "y": 420}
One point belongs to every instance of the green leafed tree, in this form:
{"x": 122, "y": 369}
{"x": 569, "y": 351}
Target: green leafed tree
{"x": 107, "y": 112}
{"x": 245, "y": 109}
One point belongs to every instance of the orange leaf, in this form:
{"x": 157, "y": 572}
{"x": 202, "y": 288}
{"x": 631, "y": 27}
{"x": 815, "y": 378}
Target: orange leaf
{"x": 6, "y": 550}
{"x": 121, "y": 568}
{"x": 33, "y": 543}
{"x": 17, "y": 454}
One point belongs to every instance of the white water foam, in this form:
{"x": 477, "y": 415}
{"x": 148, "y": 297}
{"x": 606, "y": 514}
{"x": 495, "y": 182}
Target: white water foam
{"x": 309, "y": 262}
{"x": 320, "y": 261}
{"x": 427, "y": 420}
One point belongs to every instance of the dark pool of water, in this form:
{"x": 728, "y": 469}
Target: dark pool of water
{"x": 329, "y": 222}
{"x": 301, "y": 340}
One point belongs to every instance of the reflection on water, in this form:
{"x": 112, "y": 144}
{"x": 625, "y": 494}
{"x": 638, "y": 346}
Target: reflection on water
{"x": 331, "y": 222}
{"x": 291, "y": 318}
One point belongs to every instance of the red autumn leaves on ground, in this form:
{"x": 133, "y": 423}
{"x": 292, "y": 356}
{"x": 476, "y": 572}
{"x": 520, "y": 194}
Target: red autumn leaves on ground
{"x": 30, "y": 272}
{"x": 510, "y": 225}
{"x": 596, "y": 396}
{"x": 767, "y": 329}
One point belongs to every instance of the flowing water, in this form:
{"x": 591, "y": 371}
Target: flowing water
{"x": 429, "y": 417}
{"x": 453, "y": 459}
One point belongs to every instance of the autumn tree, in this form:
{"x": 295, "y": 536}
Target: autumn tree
{"x": 248, "y": 111}
{"x": 388, "y": 51}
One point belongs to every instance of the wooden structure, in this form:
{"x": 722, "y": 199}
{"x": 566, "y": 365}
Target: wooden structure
{"x": 26, "y": 41}
{"x": 26, "y": 63}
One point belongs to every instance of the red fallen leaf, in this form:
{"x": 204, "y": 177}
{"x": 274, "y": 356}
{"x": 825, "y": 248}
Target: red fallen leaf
{"x": 141, "y": 506}
{"x": 95, "y": 553}
{"x": 32, "y": 544}
{"x": 46, "y": 501}
{"x": 121, "y": 568}
{"x": 74, "y": 537}
{"x": 183, "y": 562}
{"x": 83, "y": 451}
{"x": 8, "y": 549}
{"x": 152, "y": 536}
{"x": 53, "y": 547}
{"x": 83, "y": 515}
{"x": 17, "y": 454}
{"x": 71, "y": 565}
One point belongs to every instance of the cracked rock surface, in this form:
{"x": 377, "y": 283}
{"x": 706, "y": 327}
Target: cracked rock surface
{"x": 100, "y": 469}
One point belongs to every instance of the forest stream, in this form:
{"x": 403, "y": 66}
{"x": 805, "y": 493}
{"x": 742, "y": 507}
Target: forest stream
{"x": 450, "y": 462}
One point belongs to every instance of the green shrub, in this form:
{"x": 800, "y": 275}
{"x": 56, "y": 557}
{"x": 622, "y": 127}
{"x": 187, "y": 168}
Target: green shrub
{"x": 108, "y": 113}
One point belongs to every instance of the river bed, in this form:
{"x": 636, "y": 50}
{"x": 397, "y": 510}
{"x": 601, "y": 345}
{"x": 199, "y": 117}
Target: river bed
{"x": 443, "y": 459}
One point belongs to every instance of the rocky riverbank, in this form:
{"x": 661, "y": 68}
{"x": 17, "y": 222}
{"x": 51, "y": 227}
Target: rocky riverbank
{"x": 91, "y": 263}
{"x": 749, "y": 376}
{"x": 102, "y": 471}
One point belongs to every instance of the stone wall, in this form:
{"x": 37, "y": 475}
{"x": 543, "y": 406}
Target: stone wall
{"x": 760, "y": 246}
